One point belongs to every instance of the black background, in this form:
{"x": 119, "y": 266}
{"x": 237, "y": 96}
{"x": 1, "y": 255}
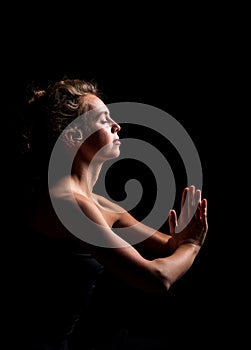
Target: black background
{"x": 182, "y": 73}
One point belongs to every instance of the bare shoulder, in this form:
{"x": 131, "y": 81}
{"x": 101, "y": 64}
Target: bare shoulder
{"x": 108, "y": 204}
{"x": 122, "y": 218}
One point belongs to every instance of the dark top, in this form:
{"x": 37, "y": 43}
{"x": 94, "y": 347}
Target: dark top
{"x": 70, "y": 302}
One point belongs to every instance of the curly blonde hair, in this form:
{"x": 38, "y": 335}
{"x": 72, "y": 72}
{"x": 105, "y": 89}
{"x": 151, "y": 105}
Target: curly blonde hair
{"x": 63, "y": 101}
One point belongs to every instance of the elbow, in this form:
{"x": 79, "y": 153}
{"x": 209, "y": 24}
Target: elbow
{"x": 163, "y": 281}
{"x": 166, "y": 285}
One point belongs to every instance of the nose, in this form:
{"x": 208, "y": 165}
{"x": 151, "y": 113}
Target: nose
{"x": 115, "y": 127}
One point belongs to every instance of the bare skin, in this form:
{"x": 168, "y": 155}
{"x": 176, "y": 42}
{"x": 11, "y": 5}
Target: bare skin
{"x": 174, "y": 252}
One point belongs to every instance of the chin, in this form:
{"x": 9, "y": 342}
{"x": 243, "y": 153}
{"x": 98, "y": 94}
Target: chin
{"x": 114, "y": 155}
{"x": 106, "y": 154}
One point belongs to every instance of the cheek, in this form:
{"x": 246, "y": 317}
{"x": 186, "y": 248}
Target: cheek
{"x": 103, "y": 137}
{"x": 99, "y": 139}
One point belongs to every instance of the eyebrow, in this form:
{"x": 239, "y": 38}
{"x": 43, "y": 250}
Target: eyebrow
{"x": 107, "y": 114}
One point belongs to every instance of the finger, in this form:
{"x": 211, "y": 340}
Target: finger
{"x": 192, "y": 194}
{"x": 191, "y": 202}
{"x": 184, "y": 208}
{"x": 197, "y": 197}
{"x": 184, "y": 195}
{"x": 198, "y": 204}
{"x": 172, "y": 221}
{"x": 203, "y": 213}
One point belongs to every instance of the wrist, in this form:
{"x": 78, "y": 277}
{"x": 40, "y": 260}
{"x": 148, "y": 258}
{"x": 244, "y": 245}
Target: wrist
{"x": 172, "y": 245}
{"x": 190, "y": 241}
{"x": 190, "y": 245}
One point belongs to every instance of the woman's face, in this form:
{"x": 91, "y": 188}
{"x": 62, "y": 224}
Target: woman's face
{"x": 103, "y": 142}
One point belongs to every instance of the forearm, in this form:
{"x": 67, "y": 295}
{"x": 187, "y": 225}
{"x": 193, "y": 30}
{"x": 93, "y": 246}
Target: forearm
{"x": 171, "y": 268}
{"x": 150, "y": 276}
{"x": 151, "y": 242}
{"x": 157, "y": 245}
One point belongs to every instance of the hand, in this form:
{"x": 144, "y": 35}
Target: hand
{"x": 192, "y": 225}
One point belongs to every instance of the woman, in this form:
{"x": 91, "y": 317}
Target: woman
{"x": 76, "y": 121}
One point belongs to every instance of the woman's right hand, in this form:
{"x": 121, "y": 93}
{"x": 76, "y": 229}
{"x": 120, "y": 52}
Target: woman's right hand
{"x": 192, "y": 225}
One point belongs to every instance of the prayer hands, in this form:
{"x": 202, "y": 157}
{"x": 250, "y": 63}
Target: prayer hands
{"x": 192, "y": 225}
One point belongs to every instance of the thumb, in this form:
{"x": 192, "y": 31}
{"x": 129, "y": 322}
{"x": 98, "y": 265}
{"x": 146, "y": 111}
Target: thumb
{"x": 172, "y": 218}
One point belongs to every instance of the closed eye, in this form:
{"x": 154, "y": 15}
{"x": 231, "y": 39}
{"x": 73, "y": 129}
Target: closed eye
{"x": 105, "y": 121}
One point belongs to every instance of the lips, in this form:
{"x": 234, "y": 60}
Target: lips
{"x": 117, "y": 142}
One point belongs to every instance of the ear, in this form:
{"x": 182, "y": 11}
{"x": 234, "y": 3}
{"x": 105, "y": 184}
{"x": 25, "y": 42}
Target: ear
{"x": 73, "y": 136}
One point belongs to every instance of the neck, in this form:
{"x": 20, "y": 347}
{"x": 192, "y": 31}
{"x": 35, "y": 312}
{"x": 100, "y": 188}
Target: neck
{"x": 84, "y": 176}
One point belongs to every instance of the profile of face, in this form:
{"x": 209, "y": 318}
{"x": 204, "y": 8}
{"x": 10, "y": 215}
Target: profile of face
{"x": 103, "y": 141}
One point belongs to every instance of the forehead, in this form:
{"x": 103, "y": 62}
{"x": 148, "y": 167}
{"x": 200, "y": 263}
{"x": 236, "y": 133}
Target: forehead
{"x": 95, "y": 102}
